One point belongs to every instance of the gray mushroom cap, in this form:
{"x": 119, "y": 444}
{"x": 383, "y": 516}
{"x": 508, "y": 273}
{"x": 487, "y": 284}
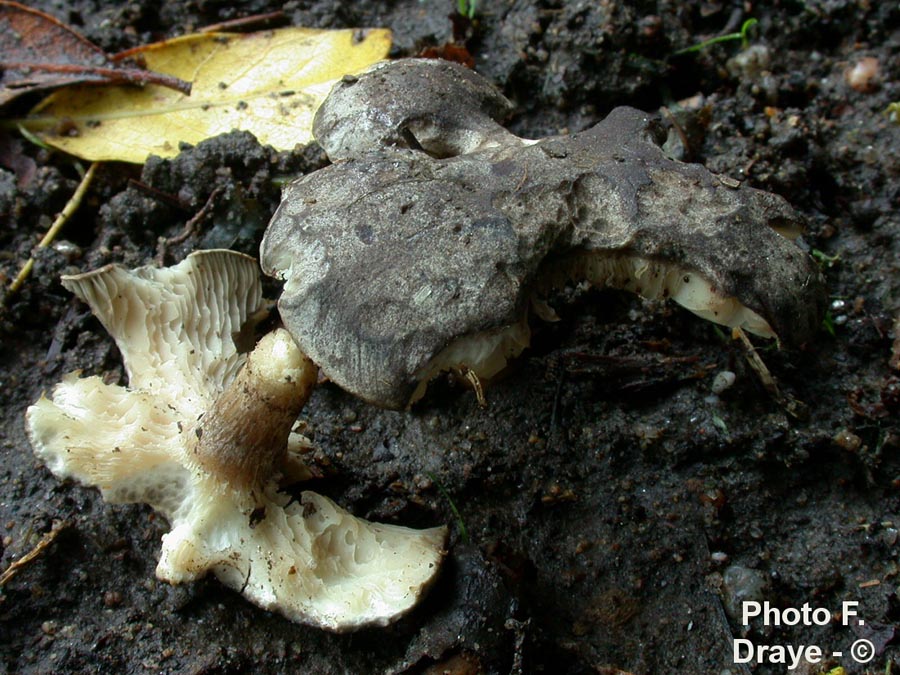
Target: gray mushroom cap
{"x": 393, "y": 256}
{"x": 434, "y": 105}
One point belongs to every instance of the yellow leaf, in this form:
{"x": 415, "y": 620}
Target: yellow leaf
{"x": 268, "y": 83}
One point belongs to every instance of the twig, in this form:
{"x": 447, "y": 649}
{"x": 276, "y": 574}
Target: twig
{"x": 895, "y": 347}
{"x": 63, "y": 217}
{"x": 758, "y": 365}
{"x": 472, "y": 377}
{"x": 554, "y": 432}
{"x": 519, "y": 629}
{"x": 719, "y": 609}
{"x": 245, "y": 22}
{"x": 157, "y": 194}
{"x": 110, "y": 75}
{"x": 189, "y": 227}
{"x": 46, "y": 540}
{"x": 678, "y": 130}
{"x": 794, "y": 407}
{"x": 726, "y": 628}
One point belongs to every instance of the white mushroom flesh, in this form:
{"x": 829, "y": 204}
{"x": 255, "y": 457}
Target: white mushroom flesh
{"x": 658, "y": 280}
{"x": 487, "y": 353}
{"x": 201, "y": 434}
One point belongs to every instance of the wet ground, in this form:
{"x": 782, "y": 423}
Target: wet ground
{"x": 613, "y": 509}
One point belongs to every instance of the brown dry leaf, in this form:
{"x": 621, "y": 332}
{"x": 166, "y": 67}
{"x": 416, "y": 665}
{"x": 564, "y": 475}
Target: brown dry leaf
{"x": 13, "y": 158}
{"x": 38, "y": 52}
{"x": 30, "y": 36}
{"x": 269, "y": 83}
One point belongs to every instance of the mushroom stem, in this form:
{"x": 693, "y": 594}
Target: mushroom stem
{"x": 243, "y": 437}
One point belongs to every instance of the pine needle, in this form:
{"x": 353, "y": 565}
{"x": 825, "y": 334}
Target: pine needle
{"x": 45, "y": 541}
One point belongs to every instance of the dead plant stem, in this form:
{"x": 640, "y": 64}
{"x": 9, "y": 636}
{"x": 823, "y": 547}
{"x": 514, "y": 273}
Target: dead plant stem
{"x": 63, "y": 217}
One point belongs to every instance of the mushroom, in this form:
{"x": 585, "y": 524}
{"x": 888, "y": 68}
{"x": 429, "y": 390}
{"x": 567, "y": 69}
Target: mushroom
{"x": 458, "y": 113}
{"x": 427, "y": 242}
{"x": 202, "y": 434}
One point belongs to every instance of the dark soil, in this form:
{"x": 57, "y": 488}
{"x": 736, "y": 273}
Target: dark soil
{"x": 617, "y": 510}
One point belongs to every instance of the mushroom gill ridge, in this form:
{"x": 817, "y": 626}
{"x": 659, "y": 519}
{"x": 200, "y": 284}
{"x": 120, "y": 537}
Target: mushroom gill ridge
{"x": 204, "y": 433}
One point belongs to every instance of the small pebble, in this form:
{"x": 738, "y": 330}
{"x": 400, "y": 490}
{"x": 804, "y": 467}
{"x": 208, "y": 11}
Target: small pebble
{"x": 722, "y": 381}
{"x": 750, "y": 63}
{"x": 112, "y": 599}
{"x": 864, "y": 76}
{"x": 847, "y": 440}
{"x": 739, "y": 585}
{"x": 68, "y": 250}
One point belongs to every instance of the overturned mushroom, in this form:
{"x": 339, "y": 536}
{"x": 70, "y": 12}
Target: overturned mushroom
{"x": 202, "y": 433}
{"x": 423, "y": 249}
